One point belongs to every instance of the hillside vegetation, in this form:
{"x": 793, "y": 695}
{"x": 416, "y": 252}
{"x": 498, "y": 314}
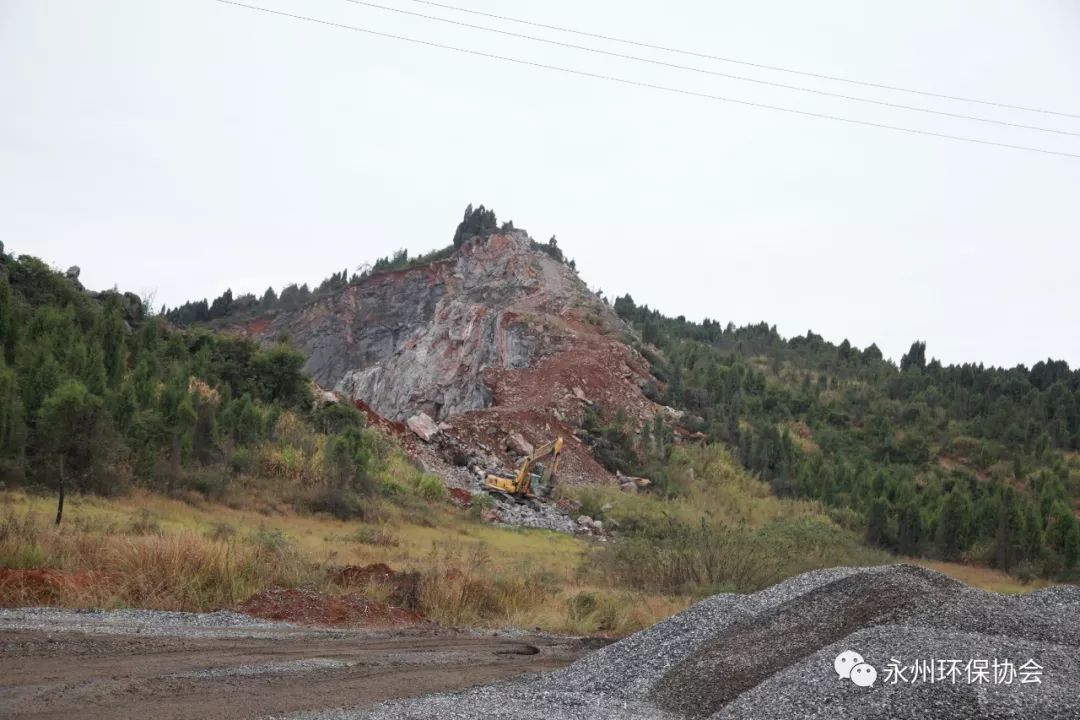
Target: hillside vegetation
{"x": 964, "y": 463}
{"x": 200, "y": 469}
{"x": 96, "y": 398}
{"x": 959, "y": 462}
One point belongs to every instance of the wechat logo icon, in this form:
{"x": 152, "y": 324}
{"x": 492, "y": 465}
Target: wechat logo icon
{"x": 850, "y": 665}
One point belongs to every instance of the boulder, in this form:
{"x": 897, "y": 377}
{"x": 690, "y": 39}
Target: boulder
{"x": 580, "y": 395}
{"x": 423, "y": 426}
{"x": 323, "y": 397}
{"x": 516, "y": 443}
{"x": 72, "y": 274}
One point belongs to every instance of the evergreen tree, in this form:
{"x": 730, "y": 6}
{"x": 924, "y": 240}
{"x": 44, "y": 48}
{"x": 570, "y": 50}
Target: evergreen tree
{"x": 111, "y": 336}
{"x": 915, "y": 357}
{"x": 221, "y": 305}
{"x": 269, "y": 299}
{"x": 910, "y": 530}
{"x": 954, "y": 524}
{"x": 68, "y": 433}
{"x": 475, "y": 222}
{"x": 12, "y": 425}
{"x": 350, "y": 457}
{"x": 877, "y": 524}
{"x": 1008, "y": 539}
{"x": 7, "y": 320}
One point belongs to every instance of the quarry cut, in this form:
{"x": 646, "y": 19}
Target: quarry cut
{"x": 499, "y": 340}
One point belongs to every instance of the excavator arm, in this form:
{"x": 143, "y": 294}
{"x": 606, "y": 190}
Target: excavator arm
{"x": 521, "y": 485}
{"x": 523, "y": 481}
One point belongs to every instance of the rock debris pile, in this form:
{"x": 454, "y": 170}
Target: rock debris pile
{"x": 773, "y": 654}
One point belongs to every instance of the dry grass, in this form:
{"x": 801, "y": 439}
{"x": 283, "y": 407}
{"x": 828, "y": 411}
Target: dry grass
{"x": 983, "y": 577}
{"x": 148, "y": 551}
{"x": 113, "y": 566}
{"x": 461, "y": 588}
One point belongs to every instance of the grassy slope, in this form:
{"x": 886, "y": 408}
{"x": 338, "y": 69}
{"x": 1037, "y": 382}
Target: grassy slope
{"x": 154, "y": 551}
{"x": 474, "y": 574}
{"x": 321, "y": 538}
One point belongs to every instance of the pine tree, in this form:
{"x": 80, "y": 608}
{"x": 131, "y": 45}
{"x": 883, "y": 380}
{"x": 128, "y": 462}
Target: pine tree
{"x": 909, "y": 535}
{"x": 7, "y": 320}
{"x": 68, "y": 431}
{"x": 246, "y": 421}
{"x": 269, "y": 298}
{"x": 954, "y": 524}
{"x": 915, "y": 357}
{"x": 178, "y": 412}
{"x": 111, "y": 336}
{"x": 1070, "y": 545}
{"x": 12, "y": 424}
{"x": 1008, "y": 539}
{"x": 877, "y": 524}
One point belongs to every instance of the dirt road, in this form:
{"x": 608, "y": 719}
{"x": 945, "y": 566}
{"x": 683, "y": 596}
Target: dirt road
{"x": 69, "y": 670}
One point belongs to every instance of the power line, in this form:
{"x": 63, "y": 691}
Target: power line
{"x": 747, "y": 63}
{"x": 704, "y": 71}
{"x": 636, "y": 83}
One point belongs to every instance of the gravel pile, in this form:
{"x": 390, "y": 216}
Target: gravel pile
{"x": 155, "y": 623}
{"x": 771, "y": 655}
{"x": 285, "y": 667}
{"x": 544, "y": 517}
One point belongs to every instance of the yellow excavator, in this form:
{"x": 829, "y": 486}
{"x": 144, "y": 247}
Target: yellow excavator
{"x": 529, "y": 486}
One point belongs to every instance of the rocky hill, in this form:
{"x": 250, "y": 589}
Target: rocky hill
{"x": 499, "y": 343}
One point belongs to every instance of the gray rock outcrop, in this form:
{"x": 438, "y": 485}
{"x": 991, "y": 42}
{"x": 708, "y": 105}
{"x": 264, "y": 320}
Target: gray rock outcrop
{"x": 421, "y": 339}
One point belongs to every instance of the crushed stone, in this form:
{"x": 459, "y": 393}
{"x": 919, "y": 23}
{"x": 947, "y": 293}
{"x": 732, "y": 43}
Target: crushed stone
{"x": 154, "y": 623}
{"x": 770, "y": 655}
{"x": 287, "y": 667}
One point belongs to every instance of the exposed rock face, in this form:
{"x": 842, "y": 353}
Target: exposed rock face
{"x": 500, "y": 336}
{"x": 419, "y": 339}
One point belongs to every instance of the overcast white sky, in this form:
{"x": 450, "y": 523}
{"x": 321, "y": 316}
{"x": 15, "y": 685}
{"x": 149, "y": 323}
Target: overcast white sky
{"x": 186, "y": 147}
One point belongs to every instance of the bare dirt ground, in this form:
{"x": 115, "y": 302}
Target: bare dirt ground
{"x": 66, "y": 670}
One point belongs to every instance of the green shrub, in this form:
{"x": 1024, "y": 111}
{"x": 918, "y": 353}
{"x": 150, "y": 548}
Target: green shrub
{"x": 708, "y": 557}
{"x": 431, "y": 488}
{"x": 144, "y": 523}
{"x": 241, "y": 461}
{"x": 480, "y": 503}
{"x": 341, "y": 503}
{"x": 380, "y": 535}
{"x": 209, "y": 483}
{"x": 272, "y": 540}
